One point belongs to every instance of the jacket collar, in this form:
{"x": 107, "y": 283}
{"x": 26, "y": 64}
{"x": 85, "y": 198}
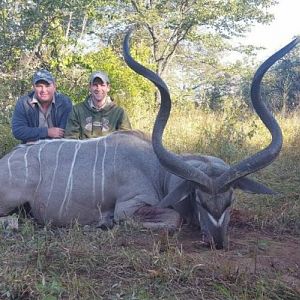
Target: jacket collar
{"x": 107, "y": 106}
{"x": 33, "y": 100}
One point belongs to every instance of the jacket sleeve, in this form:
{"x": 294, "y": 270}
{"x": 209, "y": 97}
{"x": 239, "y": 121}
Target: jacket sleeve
{"x": 124, "y": 122}
{"x": 67, "y": 108}
{"x": 73, "y": 128}
{"x": 20, "y": 126}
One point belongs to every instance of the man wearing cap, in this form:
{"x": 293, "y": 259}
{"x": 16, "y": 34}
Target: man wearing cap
{"x": 43, "y": 112}
{"x": 97, "y": 115}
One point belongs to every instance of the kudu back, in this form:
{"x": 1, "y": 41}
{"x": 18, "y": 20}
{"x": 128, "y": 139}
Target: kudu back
{"x": 124, "y": 175}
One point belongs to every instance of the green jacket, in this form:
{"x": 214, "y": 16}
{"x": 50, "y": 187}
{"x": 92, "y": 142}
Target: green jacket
{"x": 86, "y": 122}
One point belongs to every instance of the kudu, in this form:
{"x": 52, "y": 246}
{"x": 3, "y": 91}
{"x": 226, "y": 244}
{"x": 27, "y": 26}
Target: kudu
{"x": 205, "y": 188}
{"x": 104, "y": 180}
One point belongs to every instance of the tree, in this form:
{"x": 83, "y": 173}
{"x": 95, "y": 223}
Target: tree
{"x": 282, "y": 86}
{"x": 170, "y": 24}
{"x": 126, "y": 86}
{"x": 43, "y": 33}
{"x": 56, "y": 35}
{"x": 181, "y": 27}
{"x": 47, "y": 34}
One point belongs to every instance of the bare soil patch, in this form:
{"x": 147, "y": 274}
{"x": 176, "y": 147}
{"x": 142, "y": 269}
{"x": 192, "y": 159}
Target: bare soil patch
{"x": 251, "y": 251}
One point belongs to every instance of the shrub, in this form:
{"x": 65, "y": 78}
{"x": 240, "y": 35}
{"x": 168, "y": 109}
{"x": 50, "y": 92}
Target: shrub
{"x": 7, "y": 141}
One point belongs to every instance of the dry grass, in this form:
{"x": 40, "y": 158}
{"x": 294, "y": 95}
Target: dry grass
{"x": 129, "y": 262}
{"x": 124, "y": 263}
{"x": 234, "y": 135}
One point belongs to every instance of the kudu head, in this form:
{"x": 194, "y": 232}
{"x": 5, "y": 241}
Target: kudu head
{"x": 212, "y": 189}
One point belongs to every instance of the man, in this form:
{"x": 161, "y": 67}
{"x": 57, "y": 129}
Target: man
{"x": 43, "y": 112}
{"x": 97, "y": 115}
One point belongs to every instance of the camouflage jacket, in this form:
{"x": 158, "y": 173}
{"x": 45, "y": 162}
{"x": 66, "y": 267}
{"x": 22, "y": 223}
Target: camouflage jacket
{"x": 87, "y": 122}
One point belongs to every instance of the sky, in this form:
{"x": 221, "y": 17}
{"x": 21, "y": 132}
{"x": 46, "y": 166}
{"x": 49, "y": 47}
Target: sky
{"x": 281, "y": 31}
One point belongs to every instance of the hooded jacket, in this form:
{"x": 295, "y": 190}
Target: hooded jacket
{"x": 87, "y": 122}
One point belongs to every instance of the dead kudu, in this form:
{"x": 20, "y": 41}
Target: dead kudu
{"x": 102, "y": 181}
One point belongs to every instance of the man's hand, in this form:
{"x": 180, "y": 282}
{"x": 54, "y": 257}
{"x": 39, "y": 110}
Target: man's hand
{"x": 56, "y": 132}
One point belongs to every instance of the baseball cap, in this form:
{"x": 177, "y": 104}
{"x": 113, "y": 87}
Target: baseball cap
{"x": 43, "y": 75}
{"x": 99, "y": 74}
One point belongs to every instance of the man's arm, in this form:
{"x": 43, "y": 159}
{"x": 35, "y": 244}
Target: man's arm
{"x": 66, "y": 110}
{"x": 73, "y": 128}
{"x": 124, "y": 122}
{"x": 20, "y": 127}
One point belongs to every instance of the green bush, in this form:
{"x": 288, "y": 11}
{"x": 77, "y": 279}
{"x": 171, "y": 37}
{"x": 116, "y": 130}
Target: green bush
{"x": 7, "y": 141}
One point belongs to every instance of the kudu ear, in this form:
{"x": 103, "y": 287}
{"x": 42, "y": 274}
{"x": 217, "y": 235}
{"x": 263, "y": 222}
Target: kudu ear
{"x": 251, "y": 186}
{"x": 180, "y": 192}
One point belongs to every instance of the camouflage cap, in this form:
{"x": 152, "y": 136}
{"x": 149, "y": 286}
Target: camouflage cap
{"x": 99, "y": 74}
{"x": 43, "y": 75}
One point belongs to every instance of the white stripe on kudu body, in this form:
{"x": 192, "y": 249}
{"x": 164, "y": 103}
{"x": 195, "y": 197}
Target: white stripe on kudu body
{"x": 103, "y": 173}
{"x": 40, "y": 165}
{"x": 9, "y": 164}
{"x": 94, "y": 171}
{"x": 54, "y": 173}
{"x": 69, "y": 186}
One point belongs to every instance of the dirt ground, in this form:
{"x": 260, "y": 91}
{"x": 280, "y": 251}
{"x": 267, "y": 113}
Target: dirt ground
{"x": 251, "y": 250}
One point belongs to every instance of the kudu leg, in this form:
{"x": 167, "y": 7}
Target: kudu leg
{"x": 158, "y": 218}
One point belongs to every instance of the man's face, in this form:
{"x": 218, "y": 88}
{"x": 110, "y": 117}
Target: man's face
{"x": 44, "y": 91}
{"x": 99, "y": 90}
